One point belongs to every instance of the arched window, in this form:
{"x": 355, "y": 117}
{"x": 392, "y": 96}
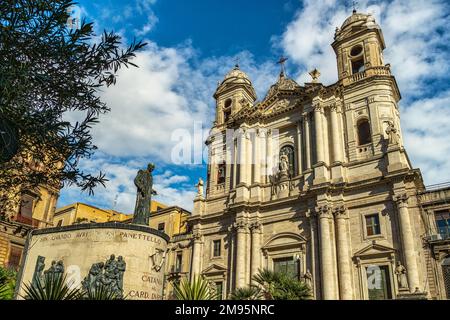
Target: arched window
{"x": 289, "y": 152}
{"x": 227, "y": 110}
{"x": 227, "y": 104}
{"x": 364, "y": 136}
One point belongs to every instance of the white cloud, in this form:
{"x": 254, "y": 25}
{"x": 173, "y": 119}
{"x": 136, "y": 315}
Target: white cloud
{"x": 426, "y": 131}
{"x": 120, "y": 191}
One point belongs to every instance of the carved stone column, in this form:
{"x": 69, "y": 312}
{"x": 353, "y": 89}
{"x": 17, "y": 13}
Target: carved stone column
{"x": 344, "y": 271}
{"x": 306, "y": 131}
{"x": 262, "y": 155}
{"x": 249, "y": 156}
{"x": 299, "y": 148}
{"x": 336, "y": 137}
{"x": 269, "y": 155}
{"x": 242, "y": 157}
{"x": 196, "y": 253}
{"x": 257, "y": 157}
{"x": 241, "y": 250}
{"x": 409, "y": 250}
{"x": 256, "y": 247}
{"x": 319, "y": 132}
{"x": 326, "y": 256}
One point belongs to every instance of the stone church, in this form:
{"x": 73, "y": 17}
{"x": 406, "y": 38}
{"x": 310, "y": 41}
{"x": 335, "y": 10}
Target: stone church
{"x": 315, "y": 181}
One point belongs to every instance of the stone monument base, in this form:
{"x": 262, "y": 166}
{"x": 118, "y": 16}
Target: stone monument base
{"x": 125, "y": 258}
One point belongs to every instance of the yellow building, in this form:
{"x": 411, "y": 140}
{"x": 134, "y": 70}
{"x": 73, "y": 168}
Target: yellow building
{"x": 32, "y": 209}
{"x": 81, "y": 212}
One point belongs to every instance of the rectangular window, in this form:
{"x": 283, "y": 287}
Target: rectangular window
{"x": 178, "y": 262}
{"x": 219, "y": 290}
{"x": 15, "y": 254}
{"x": 161, "y": 226}
{"x": 288, "y": 266}
{"x": 59, "y": 223}
{"x": 372, "y": 225}
{"x": 443, "y": 223}
{"x": 216, "y": 248}
{"x": 378, "y": 282}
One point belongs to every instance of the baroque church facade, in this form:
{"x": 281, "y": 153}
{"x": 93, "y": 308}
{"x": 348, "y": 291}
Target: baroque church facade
{"x": 315, "y": 181}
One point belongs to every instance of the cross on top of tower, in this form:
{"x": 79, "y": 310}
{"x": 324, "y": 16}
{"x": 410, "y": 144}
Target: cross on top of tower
{"x": 355, "y": 6}
{"x": 281, "y": 62}
{"x": 236, "y": 66}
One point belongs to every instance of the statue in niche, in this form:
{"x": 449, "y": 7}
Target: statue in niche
{"x": 144, "y": 184}
{"x": 307, "y": 278}
{"x": 391, "y": 131}
{"x": 284, "y": 165}
{"x": 402, "y": 280}
{"x": 37, "y": 275}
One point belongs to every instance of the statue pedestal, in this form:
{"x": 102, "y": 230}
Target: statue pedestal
{"x": 406, "y": 295}
{"x": 396, "y": 159}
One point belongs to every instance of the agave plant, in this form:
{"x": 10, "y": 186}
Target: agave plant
{"x": 246, "y": 293}
{"x": 52, "y": 287}
{"x": 7, "y": 283}
{"x": 101, "y": 292}
{"x": 198, "y": 289}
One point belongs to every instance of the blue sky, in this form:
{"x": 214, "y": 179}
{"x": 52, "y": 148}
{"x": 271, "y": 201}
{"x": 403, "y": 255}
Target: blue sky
{"x": 193, "y": 44}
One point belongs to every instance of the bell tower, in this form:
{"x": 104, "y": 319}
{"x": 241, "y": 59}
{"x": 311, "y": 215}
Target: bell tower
{"x": 232, "y": 94}
{"x": 370, "y": 93}
{"x": 358, "y": 45}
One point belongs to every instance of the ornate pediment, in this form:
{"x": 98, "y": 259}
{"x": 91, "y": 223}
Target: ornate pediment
{"x": 374, "y": 249}
{"x": 215, "y": 269}
{"x": 285, "y": 239}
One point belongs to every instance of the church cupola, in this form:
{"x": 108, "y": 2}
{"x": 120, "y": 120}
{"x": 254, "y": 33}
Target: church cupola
{"x": 234, "y": 92}
{"x": 358, "y": 45}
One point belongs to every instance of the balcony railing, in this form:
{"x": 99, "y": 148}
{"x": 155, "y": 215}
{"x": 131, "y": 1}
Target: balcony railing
{"x": 26, "y": 220}
{"x": 369, "y": 72}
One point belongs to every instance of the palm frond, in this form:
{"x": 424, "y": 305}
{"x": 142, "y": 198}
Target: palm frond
{"x": 246, "y": 293}
{"x": 197, "y": 289}
{"x": 52, "y": 287}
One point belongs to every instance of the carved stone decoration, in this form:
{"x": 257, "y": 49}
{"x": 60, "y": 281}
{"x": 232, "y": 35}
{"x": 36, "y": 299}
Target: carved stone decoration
{"x": 241, "y": 226}
{"x": 37, "y": 275}
{"x": 391, "y": 131}
{"x": 56, "y": 269}
{"x": 109, "y": 275}
{"x": 158, "y": 258}
{"x": 401, "y": 199}
{"x": 255, "y": 227}
{"x": 308, "y": 279}
{"x": 402, "y": 279}
{"x": 323, "y": 211}
{"x": 340, "y": 212}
